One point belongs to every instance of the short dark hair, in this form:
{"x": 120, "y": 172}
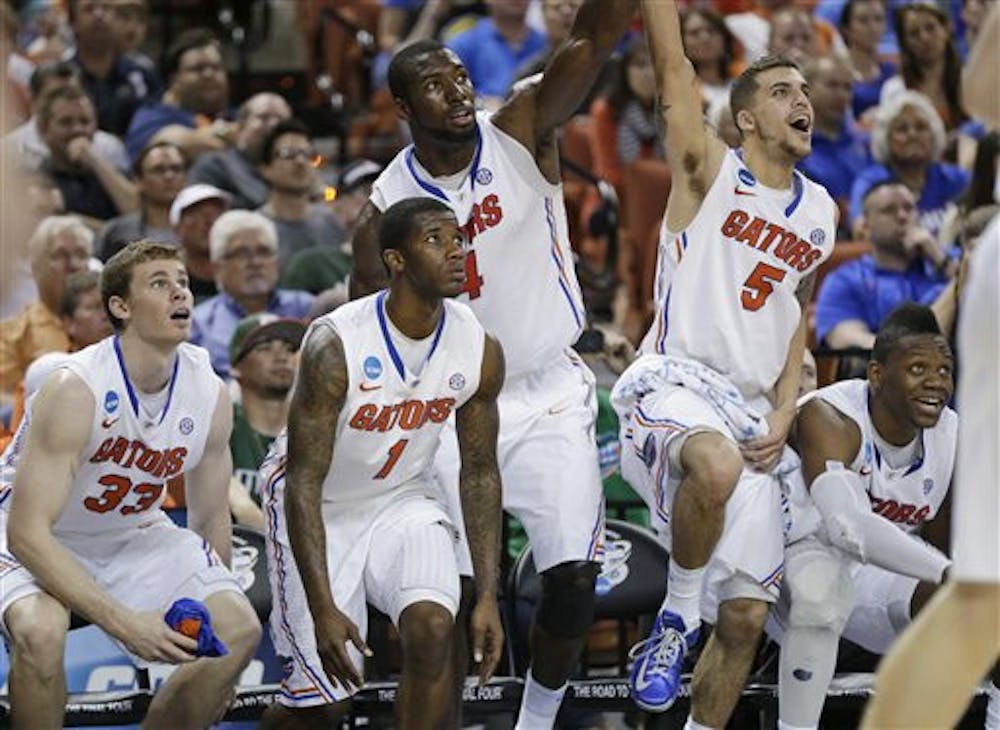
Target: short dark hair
{"x": 186, "y": 41}
{"x": 141, "y": 159}
{"x": 403, "y": 66}
{"x": 288, "y": 126}
{"x": 399, "y": 220}
{"x": 51, "y": 70}
{"x": 77, "y": 284}
{"x": 905, "y": 321}
{"x": 62, "y": 93}
{"x": 741, "y": 97}
{"x": 116, "y": 277}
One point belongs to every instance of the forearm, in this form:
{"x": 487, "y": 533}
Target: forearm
{"x": 218, "y": 532}
{"x": 602, "y": 24}
{"x": 664, "y": 36}
{"x": 945, "y": 307}
{"x": 307, "y": 536}
{"x": 59, "y": 572}
{"x": 786, "y": 389}
{"x": 121, "y": 190}
{"x": 852, "y": 333}
{"x": 481, "y": 508}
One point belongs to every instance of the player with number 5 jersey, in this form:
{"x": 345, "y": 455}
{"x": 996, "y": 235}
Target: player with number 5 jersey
{"x": 706, "y": 409}
{"x": 499, "y": 172}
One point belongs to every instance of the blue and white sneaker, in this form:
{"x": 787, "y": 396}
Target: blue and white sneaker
{"x": 657, "y": 662}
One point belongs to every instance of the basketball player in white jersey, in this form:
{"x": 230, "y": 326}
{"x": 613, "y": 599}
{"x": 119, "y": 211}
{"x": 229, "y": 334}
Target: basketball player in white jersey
{"x": 877, "y": 456}
{"x": 81, "y": 527}
{"x": 353, "y": 514}
{"x": 708, "y": 405}
{"x": 499, "y": 172}
{"x": 960, "y": 628}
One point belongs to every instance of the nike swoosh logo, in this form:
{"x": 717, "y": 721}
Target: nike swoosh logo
{"x": 109, "y": 422}
{"x": 743, "y": 192}
{"x": 640, "y": 683}
{"x": 366, "y": 387}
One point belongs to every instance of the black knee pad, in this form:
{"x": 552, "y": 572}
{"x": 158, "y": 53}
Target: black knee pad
{"x": 567, "y": 606}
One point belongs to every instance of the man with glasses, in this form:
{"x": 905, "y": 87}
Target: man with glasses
{"x": 288, "y": 165}
{"x": 243, "y": 246}
{"x": 159, "y": 176}
{"x": 235, "y": 169}
{"x": 192, "y": 112}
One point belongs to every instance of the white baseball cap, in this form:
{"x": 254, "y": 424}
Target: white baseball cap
{"x": 194, "y": 194}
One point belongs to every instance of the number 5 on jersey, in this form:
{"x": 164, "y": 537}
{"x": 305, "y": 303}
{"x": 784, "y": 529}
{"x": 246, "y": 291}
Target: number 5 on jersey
{"x": 759, "y": 285}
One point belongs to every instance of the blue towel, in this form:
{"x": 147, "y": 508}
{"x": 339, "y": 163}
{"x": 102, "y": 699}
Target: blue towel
{"x": 191, "y": 618}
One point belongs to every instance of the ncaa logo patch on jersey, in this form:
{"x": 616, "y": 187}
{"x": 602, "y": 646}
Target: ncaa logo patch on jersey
{"x": 111, "y": 401}
{"x": 456, "y": 381}
{"x": 746, "y": 177}
{"x": 186, "y": 425}
{"x": 372, "y": 367}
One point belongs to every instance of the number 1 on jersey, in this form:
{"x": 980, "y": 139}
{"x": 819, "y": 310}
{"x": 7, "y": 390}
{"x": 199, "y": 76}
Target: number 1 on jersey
{"x": 395, "y": 451}
{"x": 473, "y": 281}
{"x": 759, "y": 285}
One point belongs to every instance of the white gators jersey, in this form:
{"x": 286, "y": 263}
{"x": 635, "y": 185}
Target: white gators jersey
{"x": 725, "y": 286}
{"x": 130, "y": 458}
{"x": 520, "y": 278}
{"x": 908, "y": 496}
{"x": 390, "y": 424}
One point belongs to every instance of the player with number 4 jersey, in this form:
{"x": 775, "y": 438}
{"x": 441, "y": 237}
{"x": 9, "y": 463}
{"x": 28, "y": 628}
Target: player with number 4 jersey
{"x": 499, "y": 172}
{"x": 706, "y": 409}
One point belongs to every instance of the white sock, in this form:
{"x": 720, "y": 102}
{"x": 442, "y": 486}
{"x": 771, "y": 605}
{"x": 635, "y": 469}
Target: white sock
{"x": 539, "y": 705}
{"x": 684, "y": 594}
{"x": 993, "y": 708}
{"x": 692, "y": 725}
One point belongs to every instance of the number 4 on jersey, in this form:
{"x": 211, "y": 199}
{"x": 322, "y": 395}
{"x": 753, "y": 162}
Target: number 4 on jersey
{"x": 759, "y": 285}
{"x": 473, "y": 280}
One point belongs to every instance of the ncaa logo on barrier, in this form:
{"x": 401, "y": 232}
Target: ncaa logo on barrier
{"x": 614, "y": 570}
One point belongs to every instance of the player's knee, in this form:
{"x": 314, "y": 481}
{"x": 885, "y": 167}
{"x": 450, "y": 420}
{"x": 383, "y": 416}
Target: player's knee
{"x": 236, "y": 623}
{"x": 714, "y": 463}
{"x": 566, "y": 609}
{"x": 38, "y": 627}
{"x": 822, "y": 595}
{"x": 741, "y": 621}
{"x": 426, "y": 629}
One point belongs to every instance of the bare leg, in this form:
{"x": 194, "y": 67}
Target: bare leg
{"x": 197, "y": 694}
{"x": 723, "y": 667}
{"x": 712, "y": 465}
{"x": 960, "y": 629}
{"x": 460, "y": 653}
{"x": 425, "y": 687}
{"x": 37, "y": 625}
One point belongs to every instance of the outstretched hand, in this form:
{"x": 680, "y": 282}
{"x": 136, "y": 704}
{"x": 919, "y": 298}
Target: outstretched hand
{"x": 332, "y": 634}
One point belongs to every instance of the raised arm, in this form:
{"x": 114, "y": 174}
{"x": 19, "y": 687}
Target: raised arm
{"x": 317, "y": 398}
{"x": 369, "y": 274}
{"x": 61, "y": 418}
{"x": 693, "y": 151}
{"x": 477, "y": 423}
{"x": 207, "y": 485}
{"x": 571, "y": 73}
{"x": 979, "y": 78}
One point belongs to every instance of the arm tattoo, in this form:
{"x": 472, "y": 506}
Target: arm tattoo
{"x": 316, "y": 402}
{"x": 477, "y": 423}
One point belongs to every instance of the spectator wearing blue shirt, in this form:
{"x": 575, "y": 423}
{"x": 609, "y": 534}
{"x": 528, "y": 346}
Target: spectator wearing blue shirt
{"x": 494, "y": 48}
{"x": 192, "y": 110}
{"x": 839, "y": 148}
{"x": 244, "y": 251}
{"x": 905, "y": 266}
{"x": 907, "y": 140}
{"x": 862, "y": 26}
